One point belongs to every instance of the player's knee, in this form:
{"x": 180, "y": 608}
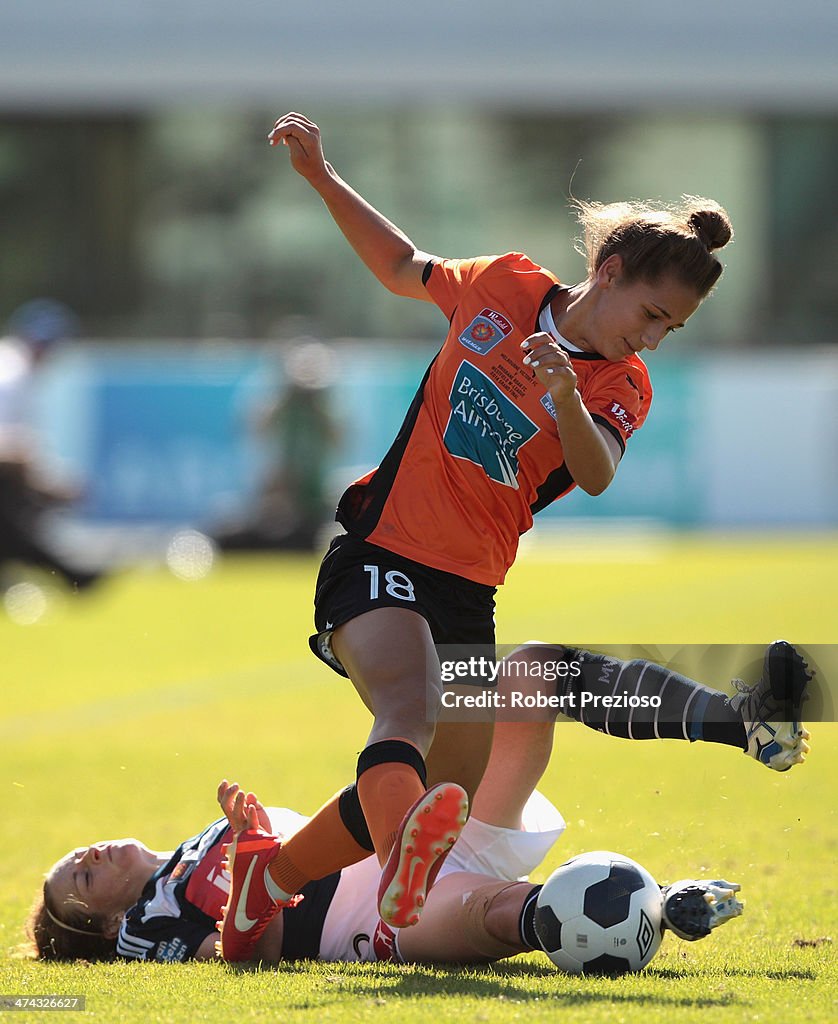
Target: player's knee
{"x": 537, "y": 663}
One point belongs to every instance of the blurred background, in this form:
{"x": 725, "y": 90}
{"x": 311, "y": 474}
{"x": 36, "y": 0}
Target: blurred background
{"x": 214, "y": 362}
{"x": 193, "y": 362}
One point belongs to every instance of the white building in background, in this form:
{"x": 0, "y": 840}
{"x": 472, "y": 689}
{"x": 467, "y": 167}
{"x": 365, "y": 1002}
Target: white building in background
{"x": 742, "y": 447}
{"x": 560, "y": 54}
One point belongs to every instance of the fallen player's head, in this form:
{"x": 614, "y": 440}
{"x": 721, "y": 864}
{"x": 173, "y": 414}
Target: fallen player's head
{"x": 85, "y": 897}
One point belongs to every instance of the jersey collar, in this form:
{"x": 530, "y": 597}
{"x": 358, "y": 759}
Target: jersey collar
{"x": 545, "y": 322}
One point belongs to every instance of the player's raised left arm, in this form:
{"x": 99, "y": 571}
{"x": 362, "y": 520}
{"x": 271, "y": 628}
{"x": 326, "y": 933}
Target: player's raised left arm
{"x": 382, "y": 246}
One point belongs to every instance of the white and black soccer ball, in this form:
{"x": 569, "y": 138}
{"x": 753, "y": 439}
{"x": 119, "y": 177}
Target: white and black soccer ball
{"x": 599, "y": 913}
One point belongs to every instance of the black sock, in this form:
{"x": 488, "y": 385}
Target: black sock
{"x": 526, "y": 921}
{"x": 652, "y": 702}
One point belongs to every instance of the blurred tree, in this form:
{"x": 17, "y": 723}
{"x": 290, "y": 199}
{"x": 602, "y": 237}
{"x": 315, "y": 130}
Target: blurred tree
{"x": 803, "y": 219}
{"x": 68, "y": 205}
{"x": 182, "y": 223}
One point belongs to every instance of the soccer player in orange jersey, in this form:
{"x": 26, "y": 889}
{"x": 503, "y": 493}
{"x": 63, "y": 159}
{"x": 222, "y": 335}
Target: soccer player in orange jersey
{"x": 537, "y": 389}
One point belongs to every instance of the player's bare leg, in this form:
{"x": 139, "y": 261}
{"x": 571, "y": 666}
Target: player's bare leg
{"x": 390, "y": 657}
{"x": 521, "y": 748}
{"x": 468, "y": 918}
{"x": 460, "y": 753}
{"x": 472, "y": 918}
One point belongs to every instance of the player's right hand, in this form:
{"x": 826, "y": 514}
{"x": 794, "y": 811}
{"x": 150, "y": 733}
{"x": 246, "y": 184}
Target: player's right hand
{"x": 242, "y": 810}
{"x": 302, "y": 137}
{"x": 550, "y": 364}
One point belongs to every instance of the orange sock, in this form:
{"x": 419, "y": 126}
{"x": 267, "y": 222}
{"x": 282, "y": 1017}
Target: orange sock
{"x": 387, "y": 792}
{"x": 321, "y": 846}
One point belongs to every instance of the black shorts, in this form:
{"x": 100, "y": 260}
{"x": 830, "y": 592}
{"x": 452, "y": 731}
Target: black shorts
{"x": 357, "y": 577}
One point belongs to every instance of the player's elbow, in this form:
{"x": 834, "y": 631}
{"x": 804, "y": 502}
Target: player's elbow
{"x": 599, "y": 469}
{"x": 596, "y": 484}
{"x": 395, "y": 284}
{"x": 405, "y": 275}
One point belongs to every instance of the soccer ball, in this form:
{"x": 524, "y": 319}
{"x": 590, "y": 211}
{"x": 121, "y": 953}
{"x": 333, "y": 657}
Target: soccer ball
{"x": 599, "y": 913}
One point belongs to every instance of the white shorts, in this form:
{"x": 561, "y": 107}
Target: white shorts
{"x": 353, "y": 930}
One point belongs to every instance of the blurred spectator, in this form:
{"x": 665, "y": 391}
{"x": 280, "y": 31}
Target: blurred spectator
{"x": 300, "y": 434}
{"x": 28, "y": 488}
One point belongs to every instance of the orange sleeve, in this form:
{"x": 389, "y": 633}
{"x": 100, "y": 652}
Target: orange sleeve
{"x": 619, "y": 399}
{"x": 446, "y": 280}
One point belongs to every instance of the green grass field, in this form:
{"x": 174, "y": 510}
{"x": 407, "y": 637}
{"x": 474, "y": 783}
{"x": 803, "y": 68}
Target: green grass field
{"x": 122, "y": 710}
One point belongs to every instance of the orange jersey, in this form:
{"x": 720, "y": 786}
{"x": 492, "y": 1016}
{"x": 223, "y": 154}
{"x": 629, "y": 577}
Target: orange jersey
{"x": 479, "y": 452}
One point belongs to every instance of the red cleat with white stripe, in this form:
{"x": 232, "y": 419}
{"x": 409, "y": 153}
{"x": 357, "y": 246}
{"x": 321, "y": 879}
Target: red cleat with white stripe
{"x": 429, "y": 830}
{"x": 254, "y": 897}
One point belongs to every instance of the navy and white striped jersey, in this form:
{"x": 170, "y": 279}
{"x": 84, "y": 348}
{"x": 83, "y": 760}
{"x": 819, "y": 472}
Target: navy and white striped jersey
{"x": 181, "y": 902}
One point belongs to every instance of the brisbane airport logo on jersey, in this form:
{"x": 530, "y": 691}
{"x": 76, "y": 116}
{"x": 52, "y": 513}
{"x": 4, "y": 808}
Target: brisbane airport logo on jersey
{"x": 486, "y": 330}
{"x": 485, "y": 427}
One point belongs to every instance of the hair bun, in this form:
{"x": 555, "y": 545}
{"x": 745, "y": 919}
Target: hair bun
{"x": 711, "y": 227}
